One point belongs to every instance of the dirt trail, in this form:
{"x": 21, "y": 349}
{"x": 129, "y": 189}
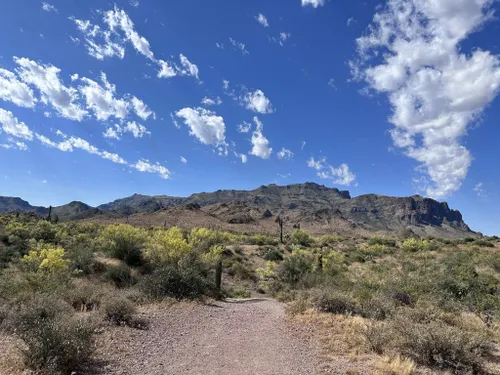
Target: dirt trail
{"x": 233, "y": 337}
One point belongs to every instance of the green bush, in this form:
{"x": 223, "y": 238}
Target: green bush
{"x": 124, "y": 242}
{"x": 299, "y": 237}
{"x": 120, "y": 275}
{"x": 177, "y": 282}
{"x": 270, "y": 254}
{"x": 118, "y": 310}
{"x": 413, "y": 245}
{"x": 294, "y": 268}
{"x": 335, "y": 303}
{"x": 381, "y": 240}
{"x": 81, "y": 250}
{"x": 54, "y": 341}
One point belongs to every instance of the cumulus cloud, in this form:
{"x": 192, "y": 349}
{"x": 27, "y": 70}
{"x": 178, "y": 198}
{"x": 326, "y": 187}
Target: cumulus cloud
{"x": 12, "y": 126}
{"x": 239, "y": 46}
{"x": 435, "y": 90}
{"x": 341, "y": 175}
{"x": 99, "y": 43}
{"x": 110, "y": 41}
{"x": 260, "y": 144}
{"x": 204, "y": 125}
{"x": 15, "y": 91}
{"x": 209, "y": 101}
{"x": 262, "y": 20}
{"x": 316, "y": 164}
{"x": 49, "y": 7}
{"x": 46, "y": 79}
{"x": 478, "y": 189}
{"x": 14, "y": 144}
{"x": 146, "y": 166}
{"x": 313, "y": 3}
{"x": 257, "y": 102}
{"x": 285, "y": 154}
{"x": 115, "y": 132}
{"x": 244, "y": 127}
{"x": 141, "y": 109}
{"x": 101, "y": 100}
{"x": 183, "y": 160}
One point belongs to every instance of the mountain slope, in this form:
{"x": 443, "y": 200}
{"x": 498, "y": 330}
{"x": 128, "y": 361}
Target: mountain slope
{"x": 314, "y": 207}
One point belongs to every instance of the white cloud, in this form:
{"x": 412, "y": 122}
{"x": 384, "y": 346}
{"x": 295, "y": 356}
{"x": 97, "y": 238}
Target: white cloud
{"x": 244, "y": 158}
{"x": 183, "y": 160}
{"x": 113, "y": 132}
{"x": 100, "y": 43}
{"x": 316, "y": 164}
{"x": 190, "y": 69}
{"x": 260, "y": 144}
{"x": 118, "y": 19}
{"x": 204, "y": 125}
{"x": 262, "y": 20}
{"x": 146, "y": 166}
{"x": 303, "y": 145}
{"x": 15, "y": 91}
{"x": 120, "y": 29}
{"x": 283, "y": 37}
{"x": 101, "y": 100}
{"x": 285, "y": 154}
{"x": 244, "y": 127}
{"x": 46, "y": 79}
{"x": 340, "y": 176}
{"x": 115, "y": 158}
{"x": 258, "y": 102}
{"x": 435, "y": 90}
{"x": 478, "y": 189}
{"x": 332, "y": 84}
{"x": 12, "y": 126}
{"x": 141, "y": 109}
{"x": 14, "y": 144}
{"x": 239, "y": 46}
{"x": 49, "y": 7}
{"x": 134, "y": 3}
{"x": 209, "y": 101}
{"x": 219, "y": 45}
{"x": 351, "y": 21}
{"x": 136, "y": 129}
{"x": 313, "y": 3}
{"x": 174, "y": 121}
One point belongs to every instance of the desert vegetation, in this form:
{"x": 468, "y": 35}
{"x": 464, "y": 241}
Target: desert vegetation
{"x": 416, "y": 302}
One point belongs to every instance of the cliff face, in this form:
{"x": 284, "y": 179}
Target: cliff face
{"x": 321, "y": 208}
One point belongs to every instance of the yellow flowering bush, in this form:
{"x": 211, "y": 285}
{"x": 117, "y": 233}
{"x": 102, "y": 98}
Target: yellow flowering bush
{"x": 413, "y": 245}
{"x": 200, "y": 236}
{"x": 124, "y": 242}
{"x": 167, "y": 246}
{"x": 213, "y": 255}
{"x": 46, "y": 259}
{"x": 333, "y": 262}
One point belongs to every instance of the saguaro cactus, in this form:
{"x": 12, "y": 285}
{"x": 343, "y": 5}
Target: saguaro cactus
{"x": 50, "y": 213}
{"x": 279, "y": 220}
{"x": 218, "y": 275}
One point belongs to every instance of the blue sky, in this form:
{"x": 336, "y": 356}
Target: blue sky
{"x": 102, "y": 100}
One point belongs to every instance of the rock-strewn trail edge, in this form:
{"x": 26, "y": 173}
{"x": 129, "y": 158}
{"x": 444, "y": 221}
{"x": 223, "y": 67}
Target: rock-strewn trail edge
{"x": 235, "y": 337}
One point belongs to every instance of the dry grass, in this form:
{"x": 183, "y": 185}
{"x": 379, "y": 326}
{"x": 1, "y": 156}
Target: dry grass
{"x": 397, "y": 365}
{"x": 11, "y": 362}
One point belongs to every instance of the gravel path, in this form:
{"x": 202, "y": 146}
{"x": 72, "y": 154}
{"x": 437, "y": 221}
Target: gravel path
{"x": 233, "y": 337}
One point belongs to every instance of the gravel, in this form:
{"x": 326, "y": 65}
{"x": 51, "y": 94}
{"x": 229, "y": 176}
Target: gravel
{"x": 235, "y": 337}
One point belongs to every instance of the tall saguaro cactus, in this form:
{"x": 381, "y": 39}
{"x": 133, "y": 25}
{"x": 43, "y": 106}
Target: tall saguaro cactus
{"x": 50, "y": 213}
{"x": 279, "y": 220}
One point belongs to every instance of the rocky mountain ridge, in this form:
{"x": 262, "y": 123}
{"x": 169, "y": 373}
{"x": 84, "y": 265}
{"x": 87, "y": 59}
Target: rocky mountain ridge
{"x": 318, "y": 207}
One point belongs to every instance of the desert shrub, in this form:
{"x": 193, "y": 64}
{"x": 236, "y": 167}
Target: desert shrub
{"x": 54, "y": 341}
{"x": 299, "y": 237}
{"x": 436, "y": 343}
{"x": 261, "y": 240}
{"x": 413, "y": 245}
{"x": 381, "y": 240}
{"x": 328, "y": 240}
{"x": 203, "y": 238}
{"x": 81, "y": 249}
{"x": 335, "y": 303}
{"x": 294, "y": 268}
{"x": 270, "y": 254}
{"x": 484, "y": 243}
{"x": 177, "y": 282}
{"x": 44, "y": 230}
{"x": 333, "y": 263}
{"x": 46, "y": 258}
{"x": 241, "y": 271}
{"x": 403, "y": 298}
{"x": 168, "y": 246}
{"x": 124, "y": 242}
{"x": 238, "y": 292}
{"x": 84, "y": 297}
{"x": 118, "y": 310}
{"x": 120, "y": 275}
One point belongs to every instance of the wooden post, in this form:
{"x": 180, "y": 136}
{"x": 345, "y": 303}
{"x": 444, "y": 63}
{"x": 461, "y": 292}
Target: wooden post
{"x": 218, "y": 275}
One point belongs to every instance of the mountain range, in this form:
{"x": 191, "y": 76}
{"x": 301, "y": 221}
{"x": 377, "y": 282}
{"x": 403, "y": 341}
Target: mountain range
{"x": 314, "y": 207}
